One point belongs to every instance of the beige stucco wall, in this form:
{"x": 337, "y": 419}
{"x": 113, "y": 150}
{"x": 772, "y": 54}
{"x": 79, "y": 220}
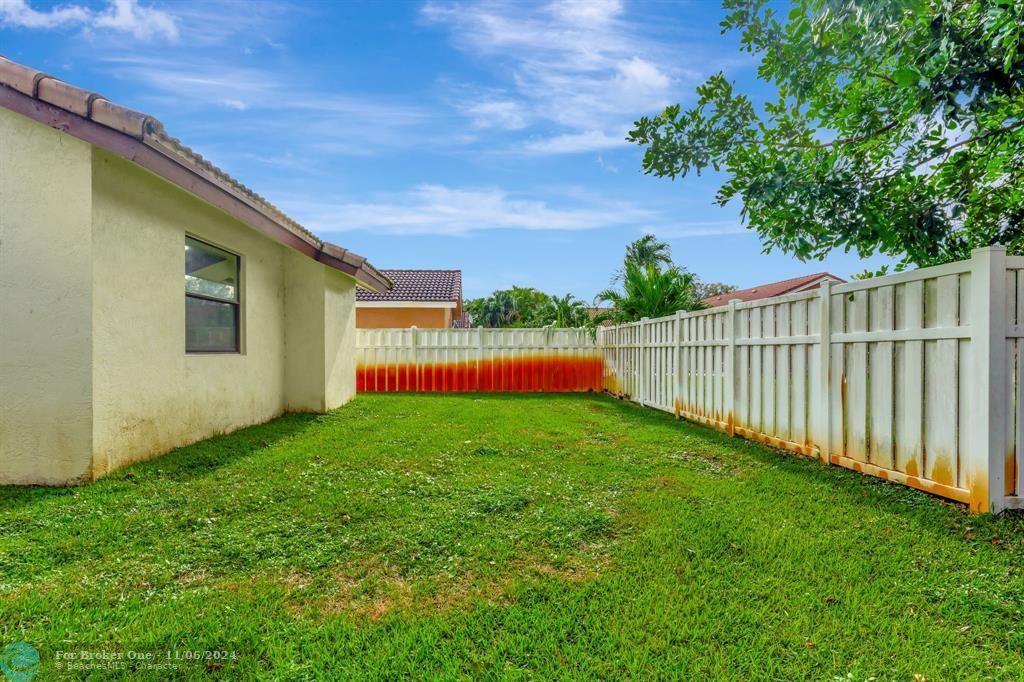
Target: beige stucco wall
{"x": 149, "y": 395}
{"x": 320, "y": 336}
{"x": 304, "y": 337}
{"x": 93, "y": 369}
{"x": 339, "y": 339}
{"x": 45, "y": 311}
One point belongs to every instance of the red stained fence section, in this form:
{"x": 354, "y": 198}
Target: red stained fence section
{"x": 547, "y": 374}
{"x": 484, "y": 360}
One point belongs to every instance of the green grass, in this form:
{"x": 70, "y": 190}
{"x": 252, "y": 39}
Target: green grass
{"x": 510, "y": 537}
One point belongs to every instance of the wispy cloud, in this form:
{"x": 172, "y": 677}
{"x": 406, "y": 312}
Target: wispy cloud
{"x": 120, "y": 16}
{"x": 711, "y": 228}
{"x": 298, "y": 112}
{"x": 438, "y": 209}
{"x": 578, "y": 69}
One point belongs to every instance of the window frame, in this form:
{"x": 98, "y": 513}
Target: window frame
{"x": 237, "y": 304}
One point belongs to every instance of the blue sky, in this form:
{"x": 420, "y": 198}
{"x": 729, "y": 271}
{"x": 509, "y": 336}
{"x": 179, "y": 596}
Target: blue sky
{"x": 484, "y": 136}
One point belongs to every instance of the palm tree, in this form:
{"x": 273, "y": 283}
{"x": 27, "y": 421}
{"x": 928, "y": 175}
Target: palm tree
{"x": 566, "y": 311}
{"x": 649, "y": 251}
{"x": 643, "y": 252}
{"x": 648, "y": 291}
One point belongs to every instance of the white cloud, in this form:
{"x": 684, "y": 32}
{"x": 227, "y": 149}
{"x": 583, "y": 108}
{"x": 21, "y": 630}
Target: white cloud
{"x": 122, "y": 16}
{"x": 245, "y": 88}
{"x": 569, "y": 143}
{"x": 143, "y": 23}
{"x": 710, "y": 228}
{"x": 19, "y": 13}
{"x": 587, "y": 12}
{"x": 438, "y": 209}
{"x": 492, "y": 113}
{"x": 581, "y": 68}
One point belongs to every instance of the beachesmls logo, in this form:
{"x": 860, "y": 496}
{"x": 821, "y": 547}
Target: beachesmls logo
{"x": 19, "y": 662}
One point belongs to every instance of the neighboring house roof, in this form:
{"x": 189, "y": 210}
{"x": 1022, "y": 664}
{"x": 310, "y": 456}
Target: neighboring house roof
{"x": 786, "y": 286}
{"x": 419, "y": 285}
{"x": 143, "y": 140}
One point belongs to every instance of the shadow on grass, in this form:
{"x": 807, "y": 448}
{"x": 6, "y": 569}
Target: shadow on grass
{"x": 189, "y": 462}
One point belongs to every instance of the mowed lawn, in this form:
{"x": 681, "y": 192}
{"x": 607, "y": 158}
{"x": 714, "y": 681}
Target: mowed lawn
{"x": 510, "y": 537}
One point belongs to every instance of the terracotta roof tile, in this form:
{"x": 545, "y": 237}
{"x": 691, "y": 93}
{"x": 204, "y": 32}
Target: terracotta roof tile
{"x": 146, "y": 129}
{"x": 768, "y": 290}
{"x": 419, "y": 285}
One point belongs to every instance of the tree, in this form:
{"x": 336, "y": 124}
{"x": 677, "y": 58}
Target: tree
{"x": 565, "y": 311}
{"x": 648, "y": 250}
{"x": 527, "y": 307}
{"x": 898, "y": 127}
{"x": 703, "y": 290}
{"x": 648, "y": 291}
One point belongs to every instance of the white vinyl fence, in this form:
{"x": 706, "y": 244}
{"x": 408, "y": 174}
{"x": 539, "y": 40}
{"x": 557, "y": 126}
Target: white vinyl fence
{"x": 490, "y": 360}
{"x": 918, "y": 380}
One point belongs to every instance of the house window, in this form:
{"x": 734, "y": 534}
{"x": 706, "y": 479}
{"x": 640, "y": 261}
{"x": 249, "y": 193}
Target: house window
{"x": 211, "y": 299}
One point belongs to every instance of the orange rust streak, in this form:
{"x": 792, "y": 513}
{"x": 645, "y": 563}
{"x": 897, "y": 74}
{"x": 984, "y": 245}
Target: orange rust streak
{"x": 979, "y": 499}
{"x": 1010, "y": 472}
{"x": 942, "y": 470}
{"x": 953, "y": 493}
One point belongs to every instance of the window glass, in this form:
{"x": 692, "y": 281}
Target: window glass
{"x": 210, "y": 326}
{"x": 211, "y": 299}
{"x": 209, "y": 271}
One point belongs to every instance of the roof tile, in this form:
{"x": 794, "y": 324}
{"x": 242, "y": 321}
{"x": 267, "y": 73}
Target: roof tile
{"x": 767, "y": 290}
{"x": 419, "y": 285}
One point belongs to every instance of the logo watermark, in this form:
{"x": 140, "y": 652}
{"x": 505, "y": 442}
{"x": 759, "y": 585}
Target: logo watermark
{"x": 19, "y": 662}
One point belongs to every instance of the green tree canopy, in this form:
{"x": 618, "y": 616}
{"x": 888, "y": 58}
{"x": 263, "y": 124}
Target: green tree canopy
{"x": 527, "y": 307}
{"x": 650, "y": 291}
{"x": 704, "y": 289}
{"x": 649, "y": 250}
{"x": 897, "y": 128}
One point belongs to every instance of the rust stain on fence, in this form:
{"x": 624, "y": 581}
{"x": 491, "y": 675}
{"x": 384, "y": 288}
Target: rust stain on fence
{"x": 942, "y": 470}
{"x": 979, "y": 500}
{"x": 539, "y": 373}
{"x": 1010, "y": 471}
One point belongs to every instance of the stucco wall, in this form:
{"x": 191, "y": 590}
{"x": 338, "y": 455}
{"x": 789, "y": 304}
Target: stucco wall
{"x": 93, "y": 369}
{"x": 340, "y": 339}
{"x": 45, "y": 311}
{"x": 320, "y": 336}
{"x": 304, "y": 334}
{"x": 149, "y": 395}
{"x": 384, "y": 318}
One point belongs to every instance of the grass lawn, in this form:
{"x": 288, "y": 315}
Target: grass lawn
{"x": 509, "y": 537}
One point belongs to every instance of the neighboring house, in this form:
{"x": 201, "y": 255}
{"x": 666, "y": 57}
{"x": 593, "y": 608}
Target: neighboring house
{"x": 596, "y": 311}
{"x": 147, "y": 299}
{"x": 419, "y": 298}
{"x": 786, "y": 286}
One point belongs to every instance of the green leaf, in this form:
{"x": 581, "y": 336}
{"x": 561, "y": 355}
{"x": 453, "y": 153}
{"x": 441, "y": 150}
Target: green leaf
{"x": 906, "y": 77}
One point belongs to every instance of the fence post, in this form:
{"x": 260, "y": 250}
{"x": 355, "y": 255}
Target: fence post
{"x": 479, "y": 356}
{"x": 986, "y": 459}
{"x": 824, "y": 426}
{"x": 677, "y": 397}
{"x": 642, "y": 379}
{"x": 415, "y": 359}
{"x": 729, "y": 383}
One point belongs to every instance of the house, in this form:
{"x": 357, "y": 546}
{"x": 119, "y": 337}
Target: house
{"x": 419, "y": 298}
{"x": 147, "y": 299}
{"x": 786, "y": 286}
